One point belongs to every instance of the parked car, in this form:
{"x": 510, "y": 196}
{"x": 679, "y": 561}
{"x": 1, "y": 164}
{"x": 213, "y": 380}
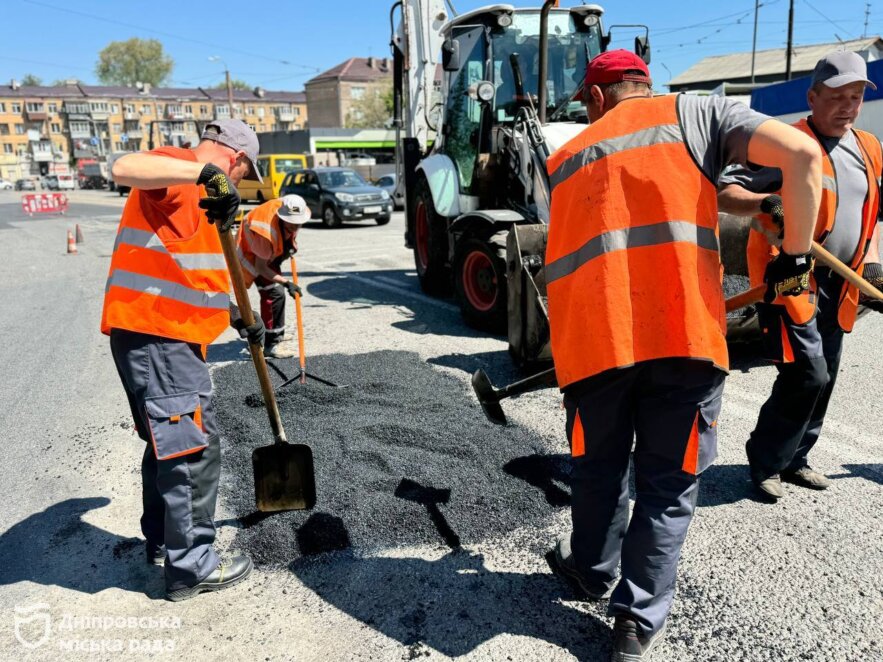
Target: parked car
{"x": 388, "y": 184}
{"x": 49, "y": 182}
{"x": 25, "y": 185}
{"x": 5, "y": 185}
{"x": 339, "y": 194}
{"x": 64, "y": 183}
{"x": 92, "y": 182}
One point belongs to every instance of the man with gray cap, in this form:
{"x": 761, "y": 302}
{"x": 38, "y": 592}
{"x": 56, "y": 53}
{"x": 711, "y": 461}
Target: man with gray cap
{"x": 804, "y": 334}
{"x": 167, "y": 297}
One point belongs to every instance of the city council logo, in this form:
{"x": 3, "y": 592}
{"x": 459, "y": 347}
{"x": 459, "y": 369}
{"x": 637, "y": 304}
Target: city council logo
{"x": 32, "y": 625}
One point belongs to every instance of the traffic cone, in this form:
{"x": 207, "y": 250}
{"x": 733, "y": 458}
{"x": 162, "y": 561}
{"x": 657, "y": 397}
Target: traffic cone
{"x": 71, "y": 243}
{"x": 79, "y": 235}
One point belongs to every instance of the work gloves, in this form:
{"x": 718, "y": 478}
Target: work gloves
{"x": 292, "y": 288}
{"x": 254, "y": 333}
{"x": 787, "y": 275}
{"x": 222, "y": 199}
{"x": 873, "y": 273}
{"x": 772, "y": 205}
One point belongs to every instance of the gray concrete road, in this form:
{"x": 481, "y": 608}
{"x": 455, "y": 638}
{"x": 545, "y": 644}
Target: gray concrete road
{"x": 796, "y": 581}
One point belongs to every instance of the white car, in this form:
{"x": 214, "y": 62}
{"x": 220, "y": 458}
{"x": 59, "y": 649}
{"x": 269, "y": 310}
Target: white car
{"x": 5, "y": 185}
{"x": 66, "y": 183}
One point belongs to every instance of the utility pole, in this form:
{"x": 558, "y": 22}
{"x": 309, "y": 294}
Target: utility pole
{"x": 867, "y": 17}
{"x": 230, "y": 93}
{"x": 790, "y": 41}
{"x": 754, "y": 40}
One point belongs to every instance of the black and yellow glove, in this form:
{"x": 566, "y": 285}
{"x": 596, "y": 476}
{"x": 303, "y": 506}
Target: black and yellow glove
{"x": 873, "y": 273}
{"x": 787, "y": 275}
{"x": 772, "y": 205}
{"x": 222, "y": 200}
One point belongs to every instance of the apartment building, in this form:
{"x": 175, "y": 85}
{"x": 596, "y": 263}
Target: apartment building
{"x": 49, "y": 129}
{"x": 332, "y": 96}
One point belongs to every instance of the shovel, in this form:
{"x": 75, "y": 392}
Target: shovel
{"x": 489, "y": 397}
{"x": 283, "y": 473}
{"x": 302, "y": 374}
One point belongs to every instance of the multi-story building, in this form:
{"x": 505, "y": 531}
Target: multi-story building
{"x": 334, "y": 96}
{"x": 47, "y": 129}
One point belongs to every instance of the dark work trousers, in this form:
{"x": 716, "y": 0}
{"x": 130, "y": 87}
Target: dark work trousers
{"x": 170, "y": 395}
{"x": 790, "y": 421}
{"x": 669, "y": 407}
{"x": 272, "y": 310}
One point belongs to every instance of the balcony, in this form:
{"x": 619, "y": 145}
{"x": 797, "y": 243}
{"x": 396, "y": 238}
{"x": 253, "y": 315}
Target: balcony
{"x": 36, "y": 115}
{"x": 99, "y": 115}
{"x": 285, "y": 115}
{"x": 134, "y": 134}
{"x": 41, "y": 152}
{"x": 131, "y": 117}
{"x": 81, "y": 133}
{"x": 76, "y": 111}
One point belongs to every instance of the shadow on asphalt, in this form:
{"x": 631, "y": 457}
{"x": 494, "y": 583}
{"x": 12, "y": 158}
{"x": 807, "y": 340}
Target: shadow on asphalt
{"x": 394, "y": 287}
{"x": 550, "y": 474}
{"x": 453, "y": 604}
{"x": 232, "y": 350}
{"x": 871, "y": 472}
{"x": 57, "y": 548}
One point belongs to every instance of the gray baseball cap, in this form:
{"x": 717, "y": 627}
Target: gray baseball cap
{"x": 237, "y": 135}
{"x": 841, "y": 68}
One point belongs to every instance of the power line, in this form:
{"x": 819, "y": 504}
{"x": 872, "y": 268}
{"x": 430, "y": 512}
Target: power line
{"x": 836, "y": 25}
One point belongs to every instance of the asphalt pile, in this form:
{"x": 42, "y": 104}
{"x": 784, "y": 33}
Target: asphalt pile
{"x": 403, "y": 456}
{"x": 734, "y": 285}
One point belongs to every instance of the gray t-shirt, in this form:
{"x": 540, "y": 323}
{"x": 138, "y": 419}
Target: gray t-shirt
{"x": 717, "y": 131}
{"x": 852, "y": 188}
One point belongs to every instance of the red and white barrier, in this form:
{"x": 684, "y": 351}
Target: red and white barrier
{"x": 44, "y": 203}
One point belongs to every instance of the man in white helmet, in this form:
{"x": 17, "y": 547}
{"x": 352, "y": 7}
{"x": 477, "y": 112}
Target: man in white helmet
{"x": 267, "y": 238}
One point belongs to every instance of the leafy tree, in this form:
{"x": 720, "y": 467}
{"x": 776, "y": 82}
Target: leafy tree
{"x": 373, "y": 111}
{"x": 128, "y": 62}
{"x": 31, "y": 80}
{"x": 235, "y": 83}
{"x": 61, "y": 82}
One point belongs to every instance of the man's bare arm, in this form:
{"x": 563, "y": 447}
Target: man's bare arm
{"x": 733, "y": 199}
{"x": 798, "y": 156}
{"x": 152, "y": 171}
{"x": 873, "y": 254}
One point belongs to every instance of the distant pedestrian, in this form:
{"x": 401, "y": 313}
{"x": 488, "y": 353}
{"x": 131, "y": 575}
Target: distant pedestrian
{"x": 637, "y": 321}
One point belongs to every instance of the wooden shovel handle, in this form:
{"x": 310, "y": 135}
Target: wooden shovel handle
{"x": 842, "y": 270}
{"x": 257, "y": 352}
{"x": 746, "y": 298}
{"x": 300, "y": 325}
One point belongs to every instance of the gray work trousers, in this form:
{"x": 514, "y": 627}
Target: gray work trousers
{"x": 790, "y": 421}
{"x": 272, "y": 310}
{"x": 669, "y": 407}
{"x": 170, "y": 395}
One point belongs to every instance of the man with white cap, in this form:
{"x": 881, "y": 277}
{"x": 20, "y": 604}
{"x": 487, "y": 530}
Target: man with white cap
{"x": 268, "y": 237}
{"x": 804, "y": 334}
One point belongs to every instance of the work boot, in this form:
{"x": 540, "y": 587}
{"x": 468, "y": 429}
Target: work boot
{"x": 629, "y": 644}
{"x": 280, "y": 351}
{"x": 771, "y": 487}
{"x": 562, "y": 563}
{"x": 806, "y": 477}
{"x": 287, "y": 336}
{"x": 228, "y": 573}
{"x": 154, "y": 554}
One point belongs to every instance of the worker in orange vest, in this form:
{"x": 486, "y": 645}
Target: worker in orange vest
{"x": 804, "y": 335}
{"x": 167, "y": 297}
{"x": 637, "y": 321}
{"x": 268, "y": 236}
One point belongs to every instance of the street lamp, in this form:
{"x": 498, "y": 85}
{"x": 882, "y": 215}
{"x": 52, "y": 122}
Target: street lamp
{"x": 217, "y": 58}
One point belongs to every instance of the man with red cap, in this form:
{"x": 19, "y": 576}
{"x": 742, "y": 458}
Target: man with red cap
{"x": 637, "y": 320}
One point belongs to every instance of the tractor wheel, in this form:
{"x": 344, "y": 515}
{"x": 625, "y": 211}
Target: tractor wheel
{"x": 480, "y": 281}
{"x": 430, "y": 237}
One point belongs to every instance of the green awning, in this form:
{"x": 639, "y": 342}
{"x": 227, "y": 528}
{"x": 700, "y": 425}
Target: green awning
{"x": 355, "y": 144}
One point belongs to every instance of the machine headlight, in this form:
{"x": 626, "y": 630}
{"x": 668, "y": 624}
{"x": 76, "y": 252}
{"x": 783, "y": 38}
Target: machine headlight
{"x": 345, "y": 197}
{"x": 384, "y": 195}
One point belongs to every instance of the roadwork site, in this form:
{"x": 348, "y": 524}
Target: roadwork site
{"x": 431, "y": 526}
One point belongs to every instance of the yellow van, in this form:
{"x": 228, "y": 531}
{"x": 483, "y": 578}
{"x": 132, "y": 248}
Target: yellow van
{"x": 273, "y": 168}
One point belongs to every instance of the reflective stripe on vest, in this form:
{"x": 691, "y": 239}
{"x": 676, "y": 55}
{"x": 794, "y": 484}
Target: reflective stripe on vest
{"x": 762, "y": 242}
{"x": 187, "y": 261}
{"x": 260, "y": 222}
{"x": 168, "y": 290}
{"x": 632, "y": 263}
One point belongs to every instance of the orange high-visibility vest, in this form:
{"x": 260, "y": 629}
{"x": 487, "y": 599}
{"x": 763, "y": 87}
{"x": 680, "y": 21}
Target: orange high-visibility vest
{"x": 632, "y": 262}
{"x": 263, "y": 222}
{"x": 173, "y": 288}
{"x": 763, "y": 234}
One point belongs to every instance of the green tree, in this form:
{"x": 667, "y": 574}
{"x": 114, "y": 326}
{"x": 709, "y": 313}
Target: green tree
{"x": 373, "y": 111}
{"x": 235, "y": 83}
{"x": 61, "y": 82}
{"x": 31, "y": 80}
{"x": 133, "y": 61}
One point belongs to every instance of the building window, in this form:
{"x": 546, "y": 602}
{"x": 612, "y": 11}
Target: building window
{"x": 114, "y": 109}
{"x": 129, "y": 108}
{"x": 222, "y": 110}
{"x": 79, "y": 127}
{"x": 296, "y": 111}
{"x": 145, "y": 109}
{"x": 7, "y": 148}
{"x": 2, "y": 107}
{"x": 117, "y": 127}
{"x": 19, "y": 129}
{"x": 16, "y": 107}
{"x": 120, "y": 147}
{"x": 4, "y": 129}
{"x": 159, "y": 109}
{"x": 53, "y": 107}
{"x": 357, "y": 92}
{"x": 261, "y": 111}
{"x": 34, "y": 107}
{"x": 203, "y": 110}
{"x": 252, "y": 127}
{"x": 188, "y": 109}
{"x": 98, "y": 107}
{"x": 249, "y": 110}
{"x": 56, "y": 128}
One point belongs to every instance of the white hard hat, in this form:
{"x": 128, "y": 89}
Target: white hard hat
{"x": 294, "y": 210}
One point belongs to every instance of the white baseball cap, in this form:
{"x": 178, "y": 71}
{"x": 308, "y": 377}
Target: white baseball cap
{"x": 294, "y": 210}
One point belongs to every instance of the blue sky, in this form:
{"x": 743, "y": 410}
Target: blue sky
{"x": 281, "y": 44}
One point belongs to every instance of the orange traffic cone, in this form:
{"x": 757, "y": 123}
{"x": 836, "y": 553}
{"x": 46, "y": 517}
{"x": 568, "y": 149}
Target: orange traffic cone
{"x": 71, "y": 243}
{"x": 79, "y": 235}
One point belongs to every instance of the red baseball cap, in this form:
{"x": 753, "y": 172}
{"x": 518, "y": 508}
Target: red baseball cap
{"x": 611, "y": 67}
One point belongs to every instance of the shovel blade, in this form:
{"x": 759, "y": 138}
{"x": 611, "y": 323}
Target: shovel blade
{"x": 283, "y": 477}
{"x": 488, "y": 398}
